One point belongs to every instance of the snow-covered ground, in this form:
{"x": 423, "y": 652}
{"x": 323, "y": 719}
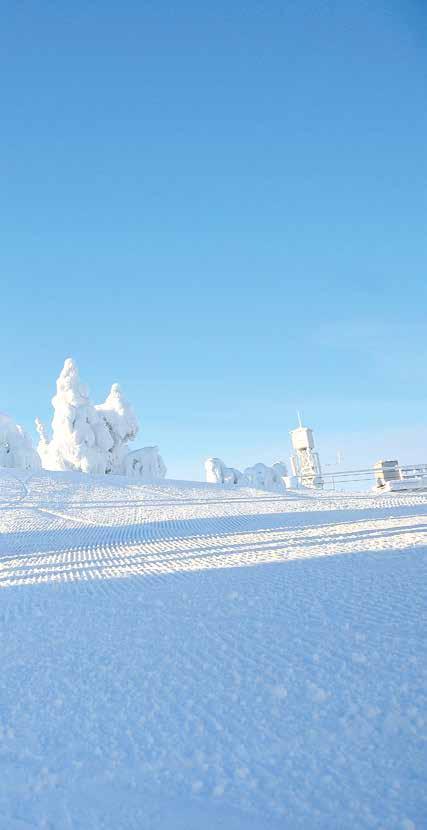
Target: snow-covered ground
{"x": 196, "y": 657}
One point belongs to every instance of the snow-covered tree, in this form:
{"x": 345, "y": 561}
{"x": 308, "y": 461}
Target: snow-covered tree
{"x": 122, "y": 425}
{"x": 264, "y": 478}
{"x": 218, "y": 473}
{"x": 80, "y": 437}
{"x": 281, "y": 468}
{"x": 16, "y": 448}
{"x": 94, "y": 439}
{"x": 259, "y": 476}
{"x": 146, "y": 463}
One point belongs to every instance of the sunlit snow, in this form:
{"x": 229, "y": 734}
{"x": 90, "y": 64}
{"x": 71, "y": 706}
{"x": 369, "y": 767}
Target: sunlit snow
{"x": 183, "y": 655}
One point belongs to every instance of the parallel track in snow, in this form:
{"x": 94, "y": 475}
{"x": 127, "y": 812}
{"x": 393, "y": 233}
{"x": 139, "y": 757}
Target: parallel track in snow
{"x": 118, "y": 536}
{"x": 184, "y": 655}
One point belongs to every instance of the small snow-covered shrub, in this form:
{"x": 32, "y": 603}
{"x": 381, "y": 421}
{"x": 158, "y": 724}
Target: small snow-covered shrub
{"x": 145, "y": 463}
{"x": 217, "y": 472}
{"x": 16, "y": 448}
{"x": 280, "y": 468}
{"x": 264, "y": 478}
{"x": 259, "y": 476}
{"x": 214, "y": 471}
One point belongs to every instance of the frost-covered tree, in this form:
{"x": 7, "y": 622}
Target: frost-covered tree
{"x": 94, "y": 439}
{"x": 264, "y": 478}
{"x": 259, "y": 476}
{"x": 280, "y": 468}
{"x": 80, "y": 437}
{"x": 146, "y": 463}
{"x": 122, "y": 425}
{"x": 218, "y": 473}
{"x": 16, "y": 448}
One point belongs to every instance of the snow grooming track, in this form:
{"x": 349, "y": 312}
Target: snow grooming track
{"x": 183, "y": 655}
{"x": 13, "y": 489}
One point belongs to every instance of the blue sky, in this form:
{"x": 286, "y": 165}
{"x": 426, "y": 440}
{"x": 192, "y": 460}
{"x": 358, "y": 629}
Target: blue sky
{"x": 222, "y": 207}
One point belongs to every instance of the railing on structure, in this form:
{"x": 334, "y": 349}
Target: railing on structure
{"x": 340, "y": 478}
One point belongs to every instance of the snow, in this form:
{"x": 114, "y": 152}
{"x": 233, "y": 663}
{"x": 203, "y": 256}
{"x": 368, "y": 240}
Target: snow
{"x": 404, "y": 484}
{"x": 218, "y": 473}
{"x": 16, "y": 449}
{"x": 146, "y": 464}
{"x": 182, "y": 655}
{"x": 80, "y": 439}
{"x": 266, "y": 478}
{"x": 259, "y": 476}
{"x": 94, "y": 439}
{"x": 122, "y": 424}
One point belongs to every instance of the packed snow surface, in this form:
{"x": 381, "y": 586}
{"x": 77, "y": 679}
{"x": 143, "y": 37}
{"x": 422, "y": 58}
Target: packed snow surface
{"x": 194, "y": 656}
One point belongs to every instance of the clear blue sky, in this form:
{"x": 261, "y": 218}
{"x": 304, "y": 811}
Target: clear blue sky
{"x": 223, "y": 207}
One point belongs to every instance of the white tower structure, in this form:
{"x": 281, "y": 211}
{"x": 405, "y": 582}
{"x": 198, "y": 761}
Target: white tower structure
{"x": 305, "y": 461}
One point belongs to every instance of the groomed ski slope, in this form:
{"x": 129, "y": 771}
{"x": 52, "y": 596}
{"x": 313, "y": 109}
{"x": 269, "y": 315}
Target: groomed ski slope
{"x": 195, "y": 657}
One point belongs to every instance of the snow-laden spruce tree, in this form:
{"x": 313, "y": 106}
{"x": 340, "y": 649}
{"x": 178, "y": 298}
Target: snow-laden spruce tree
{"x": 122, "y": 425}
{"x": 80, "y": 437}
{"x": 94, "y": 439}
{"x": 16, "y": 448}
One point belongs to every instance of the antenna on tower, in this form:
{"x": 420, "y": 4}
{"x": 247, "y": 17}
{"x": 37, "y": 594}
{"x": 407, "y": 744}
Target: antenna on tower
{"x": 299, "y": 417}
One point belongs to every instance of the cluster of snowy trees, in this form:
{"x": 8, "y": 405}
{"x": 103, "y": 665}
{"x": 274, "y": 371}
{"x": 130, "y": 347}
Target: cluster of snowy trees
{"x": 85, "y": 437}
{"x": 259, "y": 476}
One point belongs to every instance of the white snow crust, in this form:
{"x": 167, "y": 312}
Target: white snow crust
{"x": 187, "y": 656}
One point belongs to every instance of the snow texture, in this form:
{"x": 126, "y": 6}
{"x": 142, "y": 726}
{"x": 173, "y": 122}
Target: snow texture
{"x": 16, "y": 448}
{"x": 183, "y": 656}
{"x": 94, "y": 439}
